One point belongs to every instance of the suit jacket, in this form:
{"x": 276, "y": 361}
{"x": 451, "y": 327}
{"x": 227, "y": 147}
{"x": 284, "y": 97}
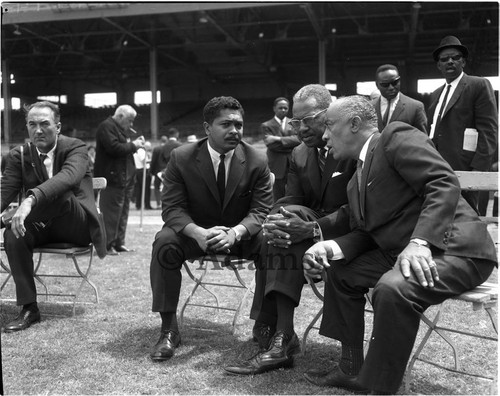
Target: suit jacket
{"x": 409, "y": 191}
{"x": 166, "y": 151}
{"x": 306, "y": 187}
{"x": 157, "y": 163}
{"x": 191, "y": 194}
{"x": 114, "y": 157}
{"x": 407, "y": 110}
{"x": 472, "y": 105}
{"x": 278, "y": 153}
{"x": 71, "y": 173}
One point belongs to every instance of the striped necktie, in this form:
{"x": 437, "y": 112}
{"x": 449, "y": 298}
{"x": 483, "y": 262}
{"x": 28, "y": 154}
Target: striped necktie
{"x": 322, "y": 159}
{"x": 359, "y": 171}
{"x": 43, "y": 158}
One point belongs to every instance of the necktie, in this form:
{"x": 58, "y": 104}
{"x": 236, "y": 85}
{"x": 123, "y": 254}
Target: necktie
{"x": 221, "y": 178}
{"x": 386, "y": 115}
{"x": 322, "y": 159}
{"x": 43, "y": 158}
{"x": 443, "y": 105}
{"x": 359, "y": 170}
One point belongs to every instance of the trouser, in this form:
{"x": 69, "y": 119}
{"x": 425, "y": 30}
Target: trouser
{"x": 138, "y": 189}
{"x": 279, "y": 188}
{"x": 397, "y": 302}
{"x": 115, "y": 205}
{"x": 281, "y": 272}
{"x": 63, "y": 220}
{"x": 170, "y": 250}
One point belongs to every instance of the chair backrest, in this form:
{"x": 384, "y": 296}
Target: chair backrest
{"x": 99, "y": 184}
{"x": 479, "y": 181}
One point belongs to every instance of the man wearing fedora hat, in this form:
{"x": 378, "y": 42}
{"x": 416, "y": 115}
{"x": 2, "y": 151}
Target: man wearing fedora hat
{"x": 463, "y": 114}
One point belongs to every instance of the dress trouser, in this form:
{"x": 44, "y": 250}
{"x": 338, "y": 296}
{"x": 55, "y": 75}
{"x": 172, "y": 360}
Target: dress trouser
{"x": 281, "y": 271}
{"x": 170, "y": 250}
{"x": 63, "y": 220}
{"x": 114, "y": 205}
{"x": 398, "y": 304}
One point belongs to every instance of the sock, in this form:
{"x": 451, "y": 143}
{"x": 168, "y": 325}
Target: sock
{"x": 351, "y": 360}
{"x": 169, "y": 321}
{"x": 286, "y": 309}
{"x": 33, "y": 307}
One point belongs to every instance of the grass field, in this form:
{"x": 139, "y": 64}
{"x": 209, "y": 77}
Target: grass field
{"x": 104, "y": 348}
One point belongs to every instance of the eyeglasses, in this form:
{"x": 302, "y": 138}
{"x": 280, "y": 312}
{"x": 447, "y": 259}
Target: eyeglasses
{"x": 393, "y": 83}
{"x": 308, "y": 121}
{"x": 444, "y": 59}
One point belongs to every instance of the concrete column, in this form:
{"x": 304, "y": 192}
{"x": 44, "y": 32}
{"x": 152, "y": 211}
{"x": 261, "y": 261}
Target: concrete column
{"x": 153, "y": 85}
{"x": 322, "y": 61}
{"x": 7, "y": 111}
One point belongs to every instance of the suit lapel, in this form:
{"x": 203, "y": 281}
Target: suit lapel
{"x": 398, "y": 109}
{"x": 330, "y": 166}
{"x": 366, "y": 171}
{"x": 456, "y": 94}
{"x": 312, "y": 167}
{"x": 235, "y": 173}
{"x": 206, "y": 169}
{"x": 36, "y": 163}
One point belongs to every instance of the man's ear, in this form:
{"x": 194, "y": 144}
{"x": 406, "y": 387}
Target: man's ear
{"x": 206, "y": 127}
{"x": 58, "y": 126}
{"x": 355, "y": 124}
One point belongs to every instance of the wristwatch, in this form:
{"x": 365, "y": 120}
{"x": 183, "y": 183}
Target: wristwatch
{"x": 32, "y": 196}
{"x": 316, "y": 232}
{"x": 420, "y": 242}
{"x": 237, "y": 235}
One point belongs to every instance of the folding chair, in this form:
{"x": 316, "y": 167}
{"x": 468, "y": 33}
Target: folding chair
{"x": 69, "y": 251}
{"x": 218, "y": 262}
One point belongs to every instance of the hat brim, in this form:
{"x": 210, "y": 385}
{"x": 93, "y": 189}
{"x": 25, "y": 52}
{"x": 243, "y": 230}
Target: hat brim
{"x": 461, "y": 48}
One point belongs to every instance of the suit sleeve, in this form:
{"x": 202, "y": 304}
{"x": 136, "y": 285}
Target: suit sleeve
{"x": 111, "y": 144}
{"x": 420, "y": 121}
{"x": 294, "y": 194}
{"x": 486, "y": 122}
{"x": 284, "y": 145}
{"x": 11, "y": 181}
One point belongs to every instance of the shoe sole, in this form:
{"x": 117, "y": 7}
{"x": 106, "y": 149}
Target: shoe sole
{"x": 285, "y": 365}
{"x": 16, "y": 330}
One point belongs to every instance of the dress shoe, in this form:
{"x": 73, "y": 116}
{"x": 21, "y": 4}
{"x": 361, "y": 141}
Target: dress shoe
{"x": 262, "y": 333}
{"x": 123, "y": 248}
{"x": 25, "y": 319}
{"x": 279, "y": 355}
{"x": 165, "y": 347}
{"x": 112, "y": 252}
{"x": 335, "y": 378}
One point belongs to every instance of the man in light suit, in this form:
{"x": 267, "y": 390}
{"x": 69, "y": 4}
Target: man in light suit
{"x": 280, "y": 140}
{"x": 424, "y": 244}
{"x": 306, "y": 213}
{"x": 217, "y": 194}
{"x": 392, "y": 105}
{"x": 463, "y": 114}
{"x": 53, "y": 171}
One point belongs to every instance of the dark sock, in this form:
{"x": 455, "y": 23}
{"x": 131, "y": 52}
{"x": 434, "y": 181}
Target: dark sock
{"x": 351, "y": 360}
{"x": 169, "y": 321}
{"x": 286, "y": 309}
{"x": 33, "y": 307}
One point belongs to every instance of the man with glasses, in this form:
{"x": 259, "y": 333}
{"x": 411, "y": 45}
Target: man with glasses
{"x": 316, "y": 189}
{"x": 463, "y": 114}
{"x": 392, "y": 105}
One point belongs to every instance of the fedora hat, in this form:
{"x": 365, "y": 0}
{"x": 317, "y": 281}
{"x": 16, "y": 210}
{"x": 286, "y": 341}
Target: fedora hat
{"x": 450, "y": 42}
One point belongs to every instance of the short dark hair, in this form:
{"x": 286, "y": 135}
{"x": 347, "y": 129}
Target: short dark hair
{"x": 280, "y": 99}
{"x": 216, "y": 105}
{"x": 173, "y": 132}
{"x": 55, "y": 109}
{"x": 385, "y": 67}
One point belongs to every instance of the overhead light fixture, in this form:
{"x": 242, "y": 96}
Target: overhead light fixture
{"x": 17, "y": 31}
{"x": 261, "y": 34}
{"x": 334, "y": 30}
{"x": 203, "y": 19}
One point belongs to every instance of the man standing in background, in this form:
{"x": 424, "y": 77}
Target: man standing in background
{"x": 115, "y": 161}
{"x": 463, "y": 114}
{"x": 280, "y": 141}
{"x": 157, "y": 165}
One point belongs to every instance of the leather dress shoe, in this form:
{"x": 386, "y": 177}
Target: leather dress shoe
{"x": 280, "y": 354}
{"x": 112, "y": 252}
{"x": 25, "y": 319}
{"x": 335, "y": 378}
{"x": 166, "y": 345}
{"x": 262, "y": 333}
{"x": 123, "y": 248}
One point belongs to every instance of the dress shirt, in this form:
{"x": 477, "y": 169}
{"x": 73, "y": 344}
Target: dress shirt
{"x": 281, "y": 122}
{"x": 454, "y": 85}
{"x": 215, "y": 156}
{"x": 49, "y": 161}
{"x": 383, "y": 106}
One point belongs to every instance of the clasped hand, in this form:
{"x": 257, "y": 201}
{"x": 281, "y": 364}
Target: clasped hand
{"x": 216, "y": 239}
{"x": 284, "y": 228}
{"x": 418, "y": 259}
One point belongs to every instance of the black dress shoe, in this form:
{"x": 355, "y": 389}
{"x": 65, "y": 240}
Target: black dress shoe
{"x": 262, "y": 333}
{"x": 112, "y": 252}
{"x": 25, "y": 319}
{"x": 335, "y": 378}
{"x": 123, "y": 248}
{"x": 166, "y": 345}
{"x": 280, "y": 354}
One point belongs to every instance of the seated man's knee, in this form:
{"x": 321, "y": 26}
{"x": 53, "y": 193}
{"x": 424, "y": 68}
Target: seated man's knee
{"x": 167, "y": 250}
{"x": 391, "y": 285}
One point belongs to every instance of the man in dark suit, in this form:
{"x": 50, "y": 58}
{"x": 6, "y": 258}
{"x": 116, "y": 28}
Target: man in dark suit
{"x": 280, "y": 140}
{"x": 53, "y": 171}
{"x": 157, "y": 165}
{"x": 172, "y": 143}
{"x": 392, "y": 105}
{"x": 463, "y": 114}
{"x": 217, "y": 194}
{"x": 114, "y": 160}
{"x": 316, "y": 188}
{"x": 414, "y": 240}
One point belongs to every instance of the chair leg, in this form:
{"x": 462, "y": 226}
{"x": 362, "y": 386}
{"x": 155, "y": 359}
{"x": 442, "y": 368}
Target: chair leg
{"x": 197, "y": 282}
{"x": 40, "y": 279}
{"x": 308, "y": 329}
{"x": 7, "y": 271}
{"x": 249, "y": 290}
{"x": 85, "y": 278}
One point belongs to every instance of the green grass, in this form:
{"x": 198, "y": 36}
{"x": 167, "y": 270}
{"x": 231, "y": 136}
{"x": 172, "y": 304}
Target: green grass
{"x": 104, "y": 348}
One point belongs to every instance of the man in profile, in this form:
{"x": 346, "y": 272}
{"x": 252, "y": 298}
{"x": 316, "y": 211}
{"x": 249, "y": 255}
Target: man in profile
{"x": 52, "y": 172}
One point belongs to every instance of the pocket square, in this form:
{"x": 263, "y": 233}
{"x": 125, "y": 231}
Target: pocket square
{"x": 335, "y": 174}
